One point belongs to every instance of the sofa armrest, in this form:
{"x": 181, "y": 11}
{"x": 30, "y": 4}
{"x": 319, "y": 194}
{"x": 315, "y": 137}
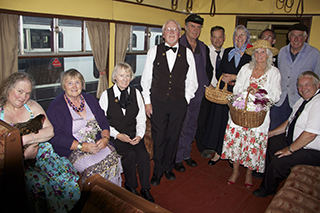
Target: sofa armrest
{"x": 121, "y": 193}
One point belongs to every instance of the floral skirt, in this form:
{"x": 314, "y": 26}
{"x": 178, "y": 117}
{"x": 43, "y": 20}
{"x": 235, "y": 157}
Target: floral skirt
{"x": 52, "y": 183}
{"x": 245, "y": 146}
{"x": 106, "y": 163}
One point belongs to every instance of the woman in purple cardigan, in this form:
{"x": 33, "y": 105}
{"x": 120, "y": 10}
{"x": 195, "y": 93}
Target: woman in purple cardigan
{"x": 81, "y": 130}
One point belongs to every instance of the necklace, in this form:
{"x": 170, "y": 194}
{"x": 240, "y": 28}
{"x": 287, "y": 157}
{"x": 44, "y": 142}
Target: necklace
{"x": 76, "y": 109}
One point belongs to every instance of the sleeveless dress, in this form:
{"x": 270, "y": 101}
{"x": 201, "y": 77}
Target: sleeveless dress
{"x": 52, "y": 183}
{"x": 247, "y": 146}
{"x": 106, "y": 162}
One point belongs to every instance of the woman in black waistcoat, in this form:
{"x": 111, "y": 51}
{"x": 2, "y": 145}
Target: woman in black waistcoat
{"x": 124, "y": 108}
{"x": 232, "y": 61}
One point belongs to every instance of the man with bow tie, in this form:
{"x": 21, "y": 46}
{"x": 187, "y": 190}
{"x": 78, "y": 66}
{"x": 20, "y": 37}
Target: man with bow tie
{"x": 168, "y": 81}
{"x": 193, "y": 26}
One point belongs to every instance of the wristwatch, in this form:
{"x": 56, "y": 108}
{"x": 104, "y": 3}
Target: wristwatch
{"x": 79, "y": 147}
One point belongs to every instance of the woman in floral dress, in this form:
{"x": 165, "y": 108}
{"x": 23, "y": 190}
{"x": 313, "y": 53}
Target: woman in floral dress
{"x": 81, "y": 131}
{"x": 247, "y": 146}
{"x": 52, "y": 181}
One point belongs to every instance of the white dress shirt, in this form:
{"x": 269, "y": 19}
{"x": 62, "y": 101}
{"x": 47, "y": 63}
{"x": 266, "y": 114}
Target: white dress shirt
{"x": 213, "y": 58}
{"x": 141, "y": 116}
{"x": 191, "y": 82}
{"x": 308, "y": 121}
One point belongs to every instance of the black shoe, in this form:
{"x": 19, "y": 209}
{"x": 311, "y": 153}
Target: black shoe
{"x": 179, "y": 167}
{"x": 190, "y": 162}
{"x": 145, "y": 193}
{"x": 170, "y": 175}
{"x": 155, "y": 180}
{"x": 258, "y": 193}
{"x": 205, "y": 154}
{"x": 257, "y": 175}
{"x": 212, "y": 163}
{"x": 131, "y": 189}
{"x": 230, "y": 163}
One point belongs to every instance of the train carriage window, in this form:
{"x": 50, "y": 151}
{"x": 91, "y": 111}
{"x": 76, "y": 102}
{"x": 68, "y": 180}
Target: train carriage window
{"x": 50, "y": 46}
{"x": 142, "y": 38}
{"x": 72, "y": 35}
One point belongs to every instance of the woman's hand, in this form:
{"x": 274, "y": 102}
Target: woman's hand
{"x": 135, "y": 140}
{"x": 226, "y": 78}
{"x": 124, "y": 138}
{"x": 102, "y": 143}
{"x": 31, "y": 152}
{"x": 252, "y": 90}
{"x": 92, "y": 148}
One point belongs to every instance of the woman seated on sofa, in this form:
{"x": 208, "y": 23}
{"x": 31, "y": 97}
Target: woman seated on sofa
{"x": 49, "y": 169}
{"x": 125, "y": 111}
{"x": 81, "y": 130}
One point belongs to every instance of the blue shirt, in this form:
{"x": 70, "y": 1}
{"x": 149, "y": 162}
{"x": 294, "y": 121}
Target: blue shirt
{"x": 308, "y": 59}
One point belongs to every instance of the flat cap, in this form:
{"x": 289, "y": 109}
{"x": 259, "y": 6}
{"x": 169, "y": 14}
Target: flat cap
{"x": 194, "y": 18}
{"x": 300, "y": 27}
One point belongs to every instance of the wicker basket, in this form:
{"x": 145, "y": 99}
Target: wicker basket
{"x": 217, "y": 95}
{"x": 246, "y": 118}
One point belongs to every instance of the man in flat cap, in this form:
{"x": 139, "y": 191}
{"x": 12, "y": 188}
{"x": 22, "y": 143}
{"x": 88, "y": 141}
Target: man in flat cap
{"x": 293, "y": 59}
{"x": 193, "y": 26}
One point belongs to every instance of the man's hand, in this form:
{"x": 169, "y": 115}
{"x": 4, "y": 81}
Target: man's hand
{"x": 283, "y": 152}
{"x": 148, "y": 110}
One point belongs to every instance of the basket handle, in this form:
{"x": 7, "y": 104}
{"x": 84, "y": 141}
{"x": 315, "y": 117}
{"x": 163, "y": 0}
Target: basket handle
{"x": 218, "y": 85}
{"x": 245, "y": 106}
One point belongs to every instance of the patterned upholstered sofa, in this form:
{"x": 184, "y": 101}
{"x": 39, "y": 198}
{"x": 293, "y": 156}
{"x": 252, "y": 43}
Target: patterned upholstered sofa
{"x": 97, "y": 194}
{"x": 300, "y": 192}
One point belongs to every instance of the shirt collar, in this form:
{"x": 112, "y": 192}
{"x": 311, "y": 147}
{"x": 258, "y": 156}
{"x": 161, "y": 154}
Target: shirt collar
{"x": 117, "y": 92}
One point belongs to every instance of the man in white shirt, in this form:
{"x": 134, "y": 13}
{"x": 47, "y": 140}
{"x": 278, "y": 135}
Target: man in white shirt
{"x": 169, "y": 81}
{"x": 301, "y": 144}
{"x": 217, "y": 38}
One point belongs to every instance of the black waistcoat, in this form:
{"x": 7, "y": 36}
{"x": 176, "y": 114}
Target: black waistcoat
{"x": 123, "y": 123}
{"x": 165, "y": 84}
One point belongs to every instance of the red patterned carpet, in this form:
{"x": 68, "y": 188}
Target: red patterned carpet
{"x": 204, "y": 189}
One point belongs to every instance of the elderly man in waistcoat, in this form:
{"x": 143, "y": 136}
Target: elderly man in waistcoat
{"x": 169, "y": 82}
{"x": 204, "y": 73}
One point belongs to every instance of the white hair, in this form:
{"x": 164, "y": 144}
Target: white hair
{"x": 269, "y": 63}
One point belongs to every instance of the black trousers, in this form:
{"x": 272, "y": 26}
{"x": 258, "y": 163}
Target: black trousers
{"x": 201, "y": 123}
{"x": 278, "y": 168}
{"x": 132, "y": 155}
{"x": 166, "y": 123}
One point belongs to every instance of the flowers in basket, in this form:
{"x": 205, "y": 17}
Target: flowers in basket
{"x": 90, "y": 131}
{"x": 256, "y": 103}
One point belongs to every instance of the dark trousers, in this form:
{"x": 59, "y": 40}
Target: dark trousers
{"x": 132, "y": 155}
{"x": 278, "y": 168}
{"x": 188, "y": 131}
{"x": 280, "y": 114}
{"x": 204, "y": 111}
{"x": 166, "y": 123}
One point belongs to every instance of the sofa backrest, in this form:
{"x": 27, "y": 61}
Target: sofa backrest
{"x": 13, "y": 193}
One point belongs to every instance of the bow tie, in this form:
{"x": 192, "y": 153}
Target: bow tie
{"x": 174, "y": 49}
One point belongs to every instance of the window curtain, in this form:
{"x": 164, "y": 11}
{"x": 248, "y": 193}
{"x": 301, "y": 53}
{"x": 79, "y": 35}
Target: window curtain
{"x": 122, "y": 40}
{"x": 8, "y": 44}
{"x": 99, "y": 40}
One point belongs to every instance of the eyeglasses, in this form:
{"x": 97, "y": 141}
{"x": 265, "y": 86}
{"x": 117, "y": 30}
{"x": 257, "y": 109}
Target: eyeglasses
{"x": 266, "y": 37}
{"x": 171, "y": 29}
{"x": 241, "y": 34}
{"x": 306, "y": 85}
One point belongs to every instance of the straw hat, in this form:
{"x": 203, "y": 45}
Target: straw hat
{"x": 262, "y": 44}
